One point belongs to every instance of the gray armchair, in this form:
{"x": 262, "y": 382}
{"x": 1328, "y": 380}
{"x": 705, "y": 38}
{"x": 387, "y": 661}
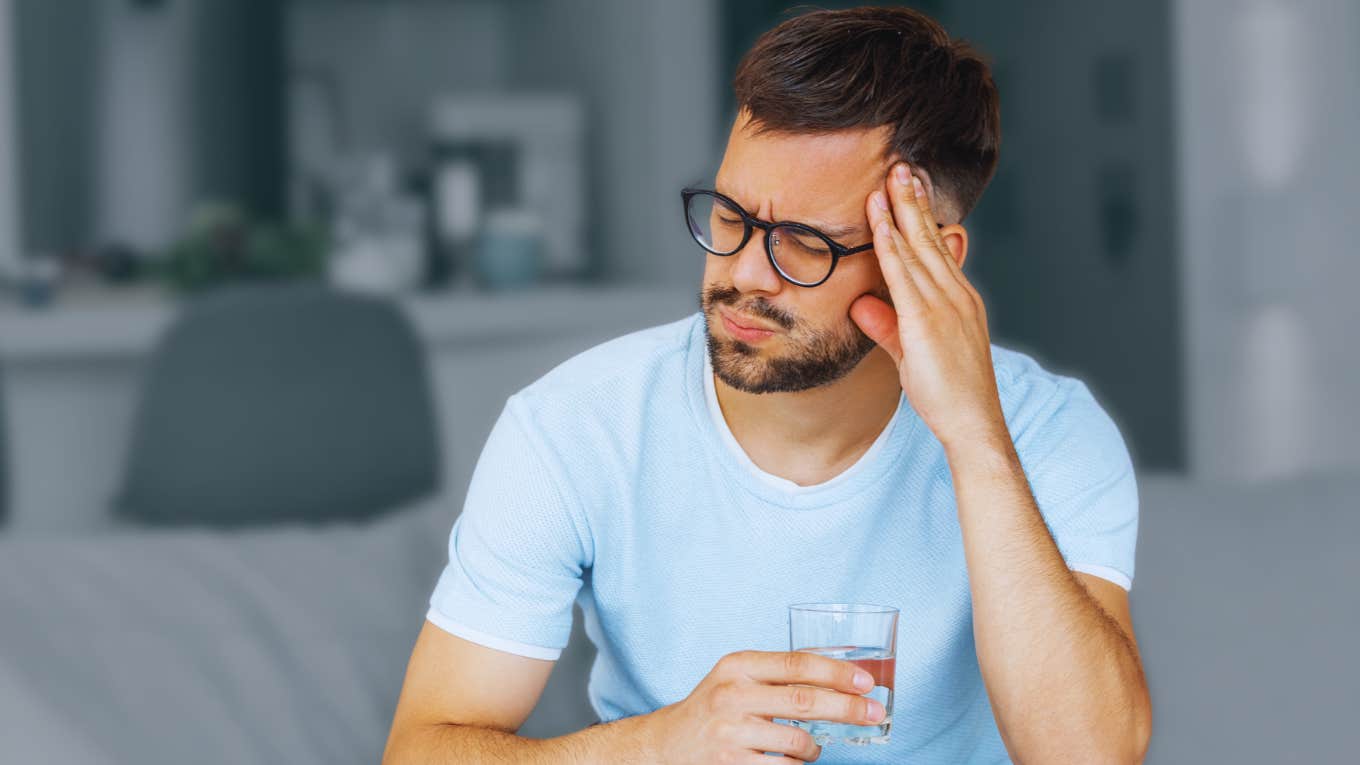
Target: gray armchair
{"x": 281, "y": 403}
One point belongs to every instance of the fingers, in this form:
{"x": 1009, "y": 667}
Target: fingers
{"x": 932, "y": 226}
{"x": 878, "y": 320}
{"x": 802, "y": 667}
{"x": 960, "y": 289}
{"x": 914, "y": 215}
{"x": 806, "y": 702}
{"x": 765, "y": 736}
{"x": 760, "y": 758}
{"x": 911, "y": 211}
{"x": 752, "y": 688}
{"x": 908, "y": 281}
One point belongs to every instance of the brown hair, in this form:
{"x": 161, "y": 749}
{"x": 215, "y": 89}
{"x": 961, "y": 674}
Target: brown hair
{"x": 866, "y": 67}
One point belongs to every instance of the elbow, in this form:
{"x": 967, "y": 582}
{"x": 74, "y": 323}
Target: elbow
{"x": 1127, "y": 745}
{"x": 1134, "y": 732}
{"x": 399, "y": 746}
{"x": 392, "y": 750}
{"x": 1133, "y": 737}
{"x": 405, "y": 742}
{"x": 1142, "y": 729}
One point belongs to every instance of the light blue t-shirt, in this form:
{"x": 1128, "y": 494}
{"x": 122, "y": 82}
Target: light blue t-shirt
{"x": 614, "y": 482}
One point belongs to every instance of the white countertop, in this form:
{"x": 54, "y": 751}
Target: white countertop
{"x": 91, "y": 323}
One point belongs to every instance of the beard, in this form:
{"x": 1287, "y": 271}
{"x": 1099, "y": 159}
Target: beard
{"x": 814, "y": 357}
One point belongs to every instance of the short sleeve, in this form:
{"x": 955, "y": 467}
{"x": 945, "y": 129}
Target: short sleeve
{"x": 1082, "y": 478}
{"x": 517, "y": 551}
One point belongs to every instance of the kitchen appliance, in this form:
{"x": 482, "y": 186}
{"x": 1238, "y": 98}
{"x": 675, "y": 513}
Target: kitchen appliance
{"x": 508, "y": 151}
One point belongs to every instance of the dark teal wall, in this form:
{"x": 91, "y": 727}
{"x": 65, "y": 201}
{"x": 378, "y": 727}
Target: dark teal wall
{"x": 239, "y": 132}
{"x": 55, "y": 52}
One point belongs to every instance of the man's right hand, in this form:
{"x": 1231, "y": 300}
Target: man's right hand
{"x": 728, "y": 716}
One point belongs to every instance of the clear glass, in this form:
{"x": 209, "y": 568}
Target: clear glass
{"x": 860, "y": 633}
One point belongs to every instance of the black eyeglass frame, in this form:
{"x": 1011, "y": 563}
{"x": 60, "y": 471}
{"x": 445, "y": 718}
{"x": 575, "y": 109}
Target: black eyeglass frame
{"x": 750, "y": 223}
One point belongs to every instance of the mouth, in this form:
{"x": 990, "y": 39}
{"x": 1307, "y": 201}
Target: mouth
{"x": 746, "y": 332}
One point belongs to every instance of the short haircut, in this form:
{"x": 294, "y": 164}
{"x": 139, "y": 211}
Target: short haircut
{"x": 829, "y": 70}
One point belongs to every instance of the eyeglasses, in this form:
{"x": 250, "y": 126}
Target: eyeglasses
{"x": 800, "y": 253}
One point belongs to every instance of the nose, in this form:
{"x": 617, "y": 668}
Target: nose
{"x": 751, "y": 270}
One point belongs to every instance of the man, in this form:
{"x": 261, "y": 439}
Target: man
{"x": 833, "y": 425}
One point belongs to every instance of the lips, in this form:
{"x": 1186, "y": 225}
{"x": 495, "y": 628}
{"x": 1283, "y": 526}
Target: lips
{"x": 745, "y": 333}
{"x": 744, "y": 322}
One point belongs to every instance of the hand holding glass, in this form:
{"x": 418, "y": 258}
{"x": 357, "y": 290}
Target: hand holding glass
{"x": 735, "y": 711}
{"x": 865, "y": 635}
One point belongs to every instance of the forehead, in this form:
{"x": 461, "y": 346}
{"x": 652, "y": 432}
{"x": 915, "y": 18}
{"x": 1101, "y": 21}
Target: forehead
{"x": 801, "y": 176}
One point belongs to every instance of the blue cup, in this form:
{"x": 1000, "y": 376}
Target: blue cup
{"x": 509, "y": 252}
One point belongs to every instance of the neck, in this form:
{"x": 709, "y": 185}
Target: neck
{"x": 811, "y": 436}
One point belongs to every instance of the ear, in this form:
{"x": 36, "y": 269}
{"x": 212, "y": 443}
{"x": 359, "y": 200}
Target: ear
{"x": 956, "y": 239}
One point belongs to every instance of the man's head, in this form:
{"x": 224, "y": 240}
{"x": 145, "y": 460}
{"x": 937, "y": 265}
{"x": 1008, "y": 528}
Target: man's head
{"x": 827, "y": 102}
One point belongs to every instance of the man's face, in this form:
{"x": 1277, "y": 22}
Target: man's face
{"x": 820, "y": 180}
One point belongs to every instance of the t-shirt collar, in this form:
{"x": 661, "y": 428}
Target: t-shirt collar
{"x": 868, "y": 468}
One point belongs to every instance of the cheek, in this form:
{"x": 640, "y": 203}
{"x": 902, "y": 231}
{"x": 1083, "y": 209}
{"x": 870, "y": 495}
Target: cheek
{"x": 715, "y": 269}
{"x": 864, "y": 278}
{"x": 869, "y": 272}
{"x": 827, "y": 313}
{"x": 860, "y": 281}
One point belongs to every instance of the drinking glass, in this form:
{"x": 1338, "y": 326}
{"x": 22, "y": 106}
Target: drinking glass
{"x": 863, "y": 634}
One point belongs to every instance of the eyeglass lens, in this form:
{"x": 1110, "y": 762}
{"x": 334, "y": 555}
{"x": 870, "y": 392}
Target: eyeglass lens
{"x": 718, "y": 227}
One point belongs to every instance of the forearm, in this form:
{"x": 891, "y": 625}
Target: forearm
{"x": 623, "y": 741}
{"x": 1064, "y": 681}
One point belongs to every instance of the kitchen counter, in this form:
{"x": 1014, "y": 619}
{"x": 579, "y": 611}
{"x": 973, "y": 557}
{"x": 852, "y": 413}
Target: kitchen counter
{"x": 71, "y": 374}
{"x": 111, "y": 324}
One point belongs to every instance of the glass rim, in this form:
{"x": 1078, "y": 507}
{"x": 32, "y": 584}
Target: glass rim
{"x": 843, "y": 608}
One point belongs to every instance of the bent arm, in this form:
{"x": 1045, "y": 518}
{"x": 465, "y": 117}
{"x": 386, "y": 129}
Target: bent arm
{"x": 462, "y": 702}
{"x": 1056, "y": 649}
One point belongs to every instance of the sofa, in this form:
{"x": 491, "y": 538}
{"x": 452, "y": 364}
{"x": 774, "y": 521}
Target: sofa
{"x": 289, "y": 643}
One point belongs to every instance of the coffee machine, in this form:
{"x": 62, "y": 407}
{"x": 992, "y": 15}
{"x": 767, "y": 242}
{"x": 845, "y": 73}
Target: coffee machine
{"x": 508, "y": 164}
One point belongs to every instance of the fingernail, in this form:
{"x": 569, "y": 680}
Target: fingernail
{"x": 875, "y": 711}
{"x": 920, "y": 188}
{"x": 880, "y": 200}
{"x": 902, "y": 174}
{"x": 863, "y": 680}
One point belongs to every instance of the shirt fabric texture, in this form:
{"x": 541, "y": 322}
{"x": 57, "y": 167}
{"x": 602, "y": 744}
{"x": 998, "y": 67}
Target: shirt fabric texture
{"x": 614, "y": 482}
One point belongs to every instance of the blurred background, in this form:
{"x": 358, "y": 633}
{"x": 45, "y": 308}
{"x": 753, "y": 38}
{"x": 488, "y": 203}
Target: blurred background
{"x": 269, "y": 270}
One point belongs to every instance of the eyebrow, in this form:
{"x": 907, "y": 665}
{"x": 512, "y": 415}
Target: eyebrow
{"x": 835, "y": 231}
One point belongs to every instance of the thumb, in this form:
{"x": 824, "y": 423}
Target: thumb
{"x": 878, "y": 320}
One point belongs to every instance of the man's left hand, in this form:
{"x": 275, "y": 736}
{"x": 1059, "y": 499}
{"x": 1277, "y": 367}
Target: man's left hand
{"x": 936, "y": 328}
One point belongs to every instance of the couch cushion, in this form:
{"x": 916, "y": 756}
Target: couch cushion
{"x": 286, "y": 645}
{"x": 1245, "y": 608}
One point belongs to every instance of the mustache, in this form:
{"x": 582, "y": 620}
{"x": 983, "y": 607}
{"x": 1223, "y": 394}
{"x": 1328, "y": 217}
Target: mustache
{"x": 721, "y": 295}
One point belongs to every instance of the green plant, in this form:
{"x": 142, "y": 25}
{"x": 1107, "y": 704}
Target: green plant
{"x": 221, "y": 244}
